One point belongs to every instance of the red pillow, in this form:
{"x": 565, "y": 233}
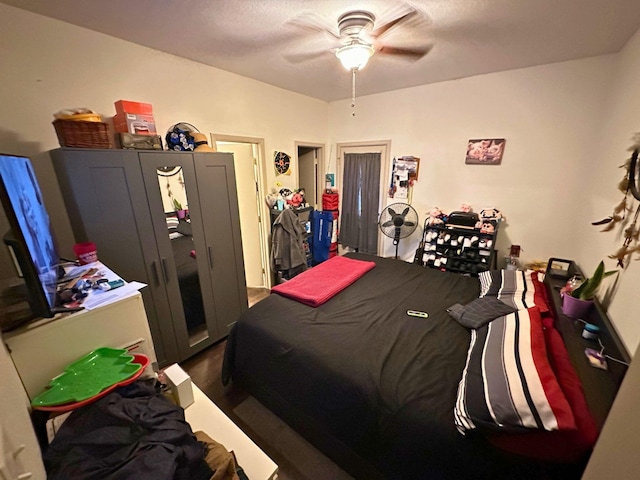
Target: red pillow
{"x": 564, "y": 446}
{"x": 540, "y": 297}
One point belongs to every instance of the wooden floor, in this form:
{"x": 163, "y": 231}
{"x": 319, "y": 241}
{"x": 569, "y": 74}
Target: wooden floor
{"x": 205, "y": 370}
{"x": 256, "y": 294}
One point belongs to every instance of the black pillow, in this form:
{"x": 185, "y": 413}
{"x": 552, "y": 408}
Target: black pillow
{"x": 479, "y": 312}
{"x": 184, "y": 228}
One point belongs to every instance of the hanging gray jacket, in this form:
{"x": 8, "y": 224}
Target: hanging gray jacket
{"x": 287, "y": 252}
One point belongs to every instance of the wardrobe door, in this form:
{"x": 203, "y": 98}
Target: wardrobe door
{"x": 172, "y": 193}
{"x": 221, "y": 220}
{"x": 105, "y": 197}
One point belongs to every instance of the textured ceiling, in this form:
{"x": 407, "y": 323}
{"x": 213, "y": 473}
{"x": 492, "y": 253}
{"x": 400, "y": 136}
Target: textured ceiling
{"x": 254, "y": 38}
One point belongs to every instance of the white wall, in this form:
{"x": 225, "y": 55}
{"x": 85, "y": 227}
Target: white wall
{"x": 547, "y": 114}
{"x": 48, "y": 65}
{"x": 615, "y": 455}
{"x": 619, "y": 121}
{"x": 567, "y": 127}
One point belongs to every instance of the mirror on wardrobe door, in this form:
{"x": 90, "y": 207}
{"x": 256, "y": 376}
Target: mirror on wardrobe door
{"x": 176, "y": 208}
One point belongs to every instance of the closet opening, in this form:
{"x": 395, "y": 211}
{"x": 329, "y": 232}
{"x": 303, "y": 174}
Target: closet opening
{"x": 249, "y": 164}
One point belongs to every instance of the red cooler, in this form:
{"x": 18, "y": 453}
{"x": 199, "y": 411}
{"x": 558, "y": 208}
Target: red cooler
{"x": 330, "y": 202}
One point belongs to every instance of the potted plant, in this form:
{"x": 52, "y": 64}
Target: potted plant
{"x": 578, "y": 302}
{"x": 177, "y": 206}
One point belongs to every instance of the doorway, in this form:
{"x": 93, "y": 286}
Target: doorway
{"x": 310, "y": 167}
{"x": 248, "y": 155}
{"x": 383, "y": 147}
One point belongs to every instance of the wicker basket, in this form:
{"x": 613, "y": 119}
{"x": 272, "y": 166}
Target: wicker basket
{"x": 73, "y": 133}
{"x": 80, "y": 117}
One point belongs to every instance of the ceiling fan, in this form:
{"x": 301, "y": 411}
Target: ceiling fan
{"x": 359, "y": 38}
{"x": 356, "y": 33}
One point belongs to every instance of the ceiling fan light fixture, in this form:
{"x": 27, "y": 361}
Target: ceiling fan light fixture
{"x": 354, "y": 56}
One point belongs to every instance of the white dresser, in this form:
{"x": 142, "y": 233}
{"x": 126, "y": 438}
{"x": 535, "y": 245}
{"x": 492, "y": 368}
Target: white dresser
{"x": 41, "y": 350}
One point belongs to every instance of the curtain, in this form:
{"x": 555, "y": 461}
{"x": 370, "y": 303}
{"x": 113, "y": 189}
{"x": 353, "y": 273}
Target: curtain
{"x": 360, "y": 202}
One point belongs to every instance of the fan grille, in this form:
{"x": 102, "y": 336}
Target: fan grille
{"x": 398, "y": 220}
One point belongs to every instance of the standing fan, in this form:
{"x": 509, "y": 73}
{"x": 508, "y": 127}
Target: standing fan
{"x": 398, "y": 220}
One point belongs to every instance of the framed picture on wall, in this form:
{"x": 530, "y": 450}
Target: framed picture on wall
{"x": 485, "y": 151}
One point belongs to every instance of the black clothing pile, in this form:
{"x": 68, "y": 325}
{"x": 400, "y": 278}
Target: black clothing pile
{"x": 134, "y": 432}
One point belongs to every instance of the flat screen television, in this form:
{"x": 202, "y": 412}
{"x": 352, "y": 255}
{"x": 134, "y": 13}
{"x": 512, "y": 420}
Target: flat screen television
{"x": 30, "y": 240}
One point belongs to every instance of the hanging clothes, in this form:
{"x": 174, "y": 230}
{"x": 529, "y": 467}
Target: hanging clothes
{"x": 287, "y": 250}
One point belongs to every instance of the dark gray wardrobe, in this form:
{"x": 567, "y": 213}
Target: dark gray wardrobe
{"x": 196, "y": 283}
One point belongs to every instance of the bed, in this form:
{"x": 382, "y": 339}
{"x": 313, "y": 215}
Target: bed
{"x": 373, "y": 387}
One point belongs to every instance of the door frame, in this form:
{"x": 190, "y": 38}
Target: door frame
{"x": 320, "y": 148}
{"x": 374, "y": 146}
{"x": 264, "y": 215}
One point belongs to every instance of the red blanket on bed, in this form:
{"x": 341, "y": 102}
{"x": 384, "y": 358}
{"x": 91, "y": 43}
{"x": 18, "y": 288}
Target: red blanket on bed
{"x": 315, "y": 286}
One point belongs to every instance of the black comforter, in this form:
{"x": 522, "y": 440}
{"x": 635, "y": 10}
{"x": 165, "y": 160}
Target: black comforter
{"x": 377, "y": 381}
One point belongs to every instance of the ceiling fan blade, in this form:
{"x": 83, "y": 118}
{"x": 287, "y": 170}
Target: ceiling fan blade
{"x": 411, "y": 53}
{"x": 392, "y": 23}
{"x": 312, "y": 22}
{"x": 303, "y": 57}
{"x": 388, "y": 223}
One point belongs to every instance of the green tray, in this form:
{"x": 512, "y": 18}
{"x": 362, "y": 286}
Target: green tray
{"x": 88, "y": 376}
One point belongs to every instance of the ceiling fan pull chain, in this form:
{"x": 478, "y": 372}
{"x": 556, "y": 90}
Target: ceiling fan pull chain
{"x": 353, "y": 91}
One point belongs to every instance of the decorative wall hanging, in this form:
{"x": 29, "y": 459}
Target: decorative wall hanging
{"x": 171, "y": 172}
{"x": 401, "y": 179}
{"x": 329, "y": 181}
{"x": 404, "y": 174}
{"x": 411, "y": 165}
{"x": 485, "y": 151}
{"x": 282, "y": 163}
{"x": 623, "y": 211}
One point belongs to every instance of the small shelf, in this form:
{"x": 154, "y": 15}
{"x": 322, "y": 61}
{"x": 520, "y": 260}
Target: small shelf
{"x": 298, "y": 211}
{"x": 466, "y": 251}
